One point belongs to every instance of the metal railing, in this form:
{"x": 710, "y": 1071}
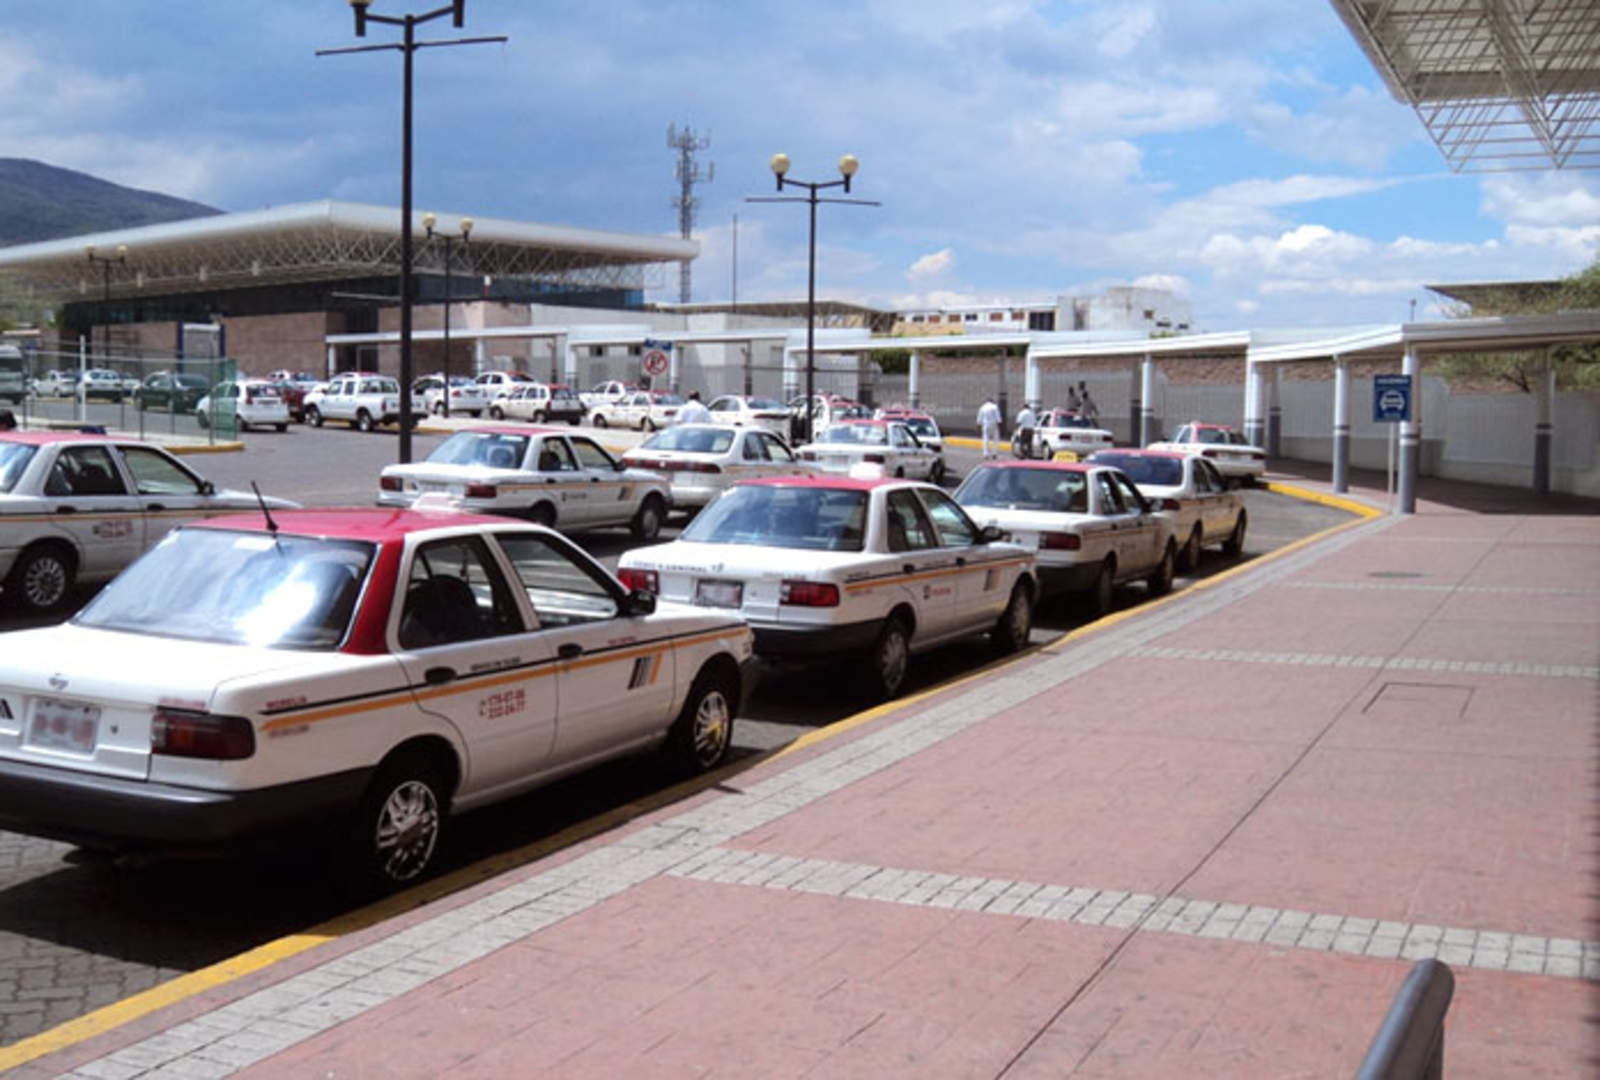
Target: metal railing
{"x": 150, "y": 394}
{"x": 1409, "y": 1044}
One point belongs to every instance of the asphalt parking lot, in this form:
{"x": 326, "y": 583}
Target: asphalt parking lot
{"x": 76, "y": 934}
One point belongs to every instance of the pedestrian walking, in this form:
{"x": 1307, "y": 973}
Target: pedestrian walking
{"x": 694, "y": 411}
{"x": 989, "y": 425}
{"x": 1026, "y": 422}
{"x": 1086, "y": 405}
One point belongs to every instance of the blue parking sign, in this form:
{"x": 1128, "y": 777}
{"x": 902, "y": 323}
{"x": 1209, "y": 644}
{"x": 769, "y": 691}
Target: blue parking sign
{"x": 1391, "y": 399}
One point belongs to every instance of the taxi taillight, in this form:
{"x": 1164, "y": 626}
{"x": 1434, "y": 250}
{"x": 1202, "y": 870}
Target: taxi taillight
{"x": 480, "y": 491}
{"x": 876, "y": 459}
{"x": 643, "y": 580}
{"x": 696, "y": 466}
{"x": 179, "y": 733}
{"x": 391, "y": 483}
{"x": 808, "y": 594}
{"x": 1170, "y": 504}
{"x": 1061, "y": 541}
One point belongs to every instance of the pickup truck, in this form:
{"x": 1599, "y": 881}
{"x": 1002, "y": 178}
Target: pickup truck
{"x": 361, "y": 399}
{"x": 608, "y": 393}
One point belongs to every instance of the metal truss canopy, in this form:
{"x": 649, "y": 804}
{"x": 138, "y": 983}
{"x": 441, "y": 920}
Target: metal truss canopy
{"x": 1500, "y": 84}
{"x": 329, "y": 241}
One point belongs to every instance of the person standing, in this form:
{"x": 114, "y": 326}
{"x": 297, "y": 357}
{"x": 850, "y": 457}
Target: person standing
{"x": 1086, "y": 406}
{"x": 694, "y": 411}
{"x": 1073, "y": 404}
{"x": 1026, "y": 422}
{"x": 989, "y": 425}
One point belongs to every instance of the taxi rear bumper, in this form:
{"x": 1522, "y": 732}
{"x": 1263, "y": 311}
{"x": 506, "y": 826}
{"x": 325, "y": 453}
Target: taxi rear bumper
{"x": 798, "y": 642}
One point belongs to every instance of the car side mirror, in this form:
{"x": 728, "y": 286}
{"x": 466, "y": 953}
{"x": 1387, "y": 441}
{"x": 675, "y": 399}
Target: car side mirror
{"x": 207, "y": 487}
{"x": 639, "y": 602}
{"x": 619, "y": 465}
{"x": 991, "y": 534}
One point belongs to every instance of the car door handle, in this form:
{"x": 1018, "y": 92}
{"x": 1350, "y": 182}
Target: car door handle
{"x": 909, "y": 568}
{"x": 438, "y": 676}
{"x": 569, "y": 651}
{"x": 961, "y": 561}
{"x": 66, "y": 509}
{"x": 156, "y": 506}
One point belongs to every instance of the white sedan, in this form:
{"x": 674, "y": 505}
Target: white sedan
{"x": 1189, "y": 488}
{"x": 1224, "y": 447}
{"x": 542, "y": 474}
{"x": 1091, "y": 527}
{"x": 363, "y": 675}
{"x": 253, "y": 401}
{"x": 886, "y": 443}
{"x": 78, "y": 508}
{"x": 647, "y": 410}
{"x": 704, "y": 460}
{"x": 1060, "y": 430}
{"x": 833, "y": 566}
{"x": 738, "y": 410}
{"x": 466, "y": 396}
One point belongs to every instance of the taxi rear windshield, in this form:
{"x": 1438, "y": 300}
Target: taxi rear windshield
{"x": 696, "y": 440}
{"x": 238, "y": 588}
{"x": 1054, "y": 490}
{"x": 813, "y": 519}
{"x": 481, "y": 448}
{"x": 14, "y": 458}
{"x": 871, "y": 434}
{"x": 1161, "y": 471}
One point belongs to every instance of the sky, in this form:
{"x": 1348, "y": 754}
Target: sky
{"x": 1241, "y": 152}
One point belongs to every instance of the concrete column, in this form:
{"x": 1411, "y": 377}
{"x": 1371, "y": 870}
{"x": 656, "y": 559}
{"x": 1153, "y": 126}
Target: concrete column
{"x": 1030, "y": 377}
{"x": 1411, "y": 434}
{"x": 672, "y": 366}
{"x": 569, "y": 366}
{"x": 480, "y": 356}
{"x": 745, "y": 352}
{"x": 1253, "y": 424}
{"x": 1146, "y": 430}
{"x": 333, "y": 358}
{"x": 1005, "y": 407}
{"x": 791, "y": 375}
{"x": 1543, "y": 428}
{"x": 1341, "y": 424}
{"x": 914, "y": 390}
{"x": 1275, "y": 413}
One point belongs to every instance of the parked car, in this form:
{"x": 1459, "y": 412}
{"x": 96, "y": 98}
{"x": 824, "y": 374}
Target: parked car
{"x": 538, "y": 402}
{"x": 610, "y": 392}
{"x": 364, "y": 677}
{"x": 1193, "y": 493}
{"x": 738, "y": 410}
{"x": 62, "y": 383}
{"x": 1060, "y": 430}
{"x": 923, "y": 426}
{"x": 646, "y": 410}
{"x": 499, "y": 384}
{"x": 251, "y": 401}
{"x": 1089, "y": 524}
{"x": 173, "y": 391}
{"x": 1234, "y": 457}
{"x": 13, "y": 374}
{"x": 293, "y": 394}
{"x": 466, "y": 395}
{"x": 545, "y": 475}
{"x": 362, "y": 399}
{"x": 833, "y": 567}
{"x": 887, "y": 443}
{"x": 77, "y": 508}
{"x": 102, "y": 383}
{"x": 703, "y": 460}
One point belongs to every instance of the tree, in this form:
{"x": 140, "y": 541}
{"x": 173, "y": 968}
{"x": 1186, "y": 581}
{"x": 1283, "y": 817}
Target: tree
{"x": 1577, "y": 366}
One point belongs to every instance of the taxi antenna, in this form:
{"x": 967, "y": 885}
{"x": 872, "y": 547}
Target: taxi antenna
{"x": 272, "y": 526}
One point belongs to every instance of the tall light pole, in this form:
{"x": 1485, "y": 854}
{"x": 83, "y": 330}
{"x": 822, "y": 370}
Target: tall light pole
{"x": 429, "y": 220}
{"x": 106, "y": 263}
{"x": 457, "y": 10}
{"x": 848, "y": 166}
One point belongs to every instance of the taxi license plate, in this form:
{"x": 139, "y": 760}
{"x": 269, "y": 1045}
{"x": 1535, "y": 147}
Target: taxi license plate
{"x": 63, "y": 725}
{"x": 728, "y": 594}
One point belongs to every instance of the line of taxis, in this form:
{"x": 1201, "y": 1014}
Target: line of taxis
{"x": 367, "y": 674}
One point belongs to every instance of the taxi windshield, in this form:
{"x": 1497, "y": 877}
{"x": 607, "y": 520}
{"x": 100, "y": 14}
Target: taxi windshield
{"x": 1005, "y": 488}
{"x": 1162, "y": 471}
{"x": 870, "y": 434}
{"x": 921, "y": 427}
{"x": 237, "y": 588}
{"x": 815, "y": 519}
{"x": 1211, "y": 435}
{"x": 698, "y": 440}
{"x": 14, "y": 458}
{"x": 763, "y": 404}
{"x": 502, "y": 451}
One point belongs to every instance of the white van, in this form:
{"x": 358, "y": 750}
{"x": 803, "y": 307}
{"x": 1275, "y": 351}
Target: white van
{"x": 13, "y": 374}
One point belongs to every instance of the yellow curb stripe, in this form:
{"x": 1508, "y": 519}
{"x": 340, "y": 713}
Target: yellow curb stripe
{"x": 207, "y": 448}
{"x": 1297, "y": 492}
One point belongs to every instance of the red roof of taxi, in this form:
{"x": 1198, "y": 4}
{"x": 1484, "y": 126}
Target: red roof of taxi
{"x": 1063, "y": 466}
{"x": 862, "y": 421}
{"x": 1213, "y": 427}
{"x": 357, "y": 523}
{"x": 40, "y": 438}
{"x": 836, "y": 483}
{"x": 514, "y": 429}
{"x": 1179, "y": 454}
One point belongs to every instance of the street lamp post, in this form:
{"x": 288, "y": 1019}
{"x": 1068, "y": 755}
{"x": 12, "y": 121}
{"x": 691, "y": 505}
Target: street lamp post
{"x": 429, "y": 220}
{"x": 457, "y": 10}
{"x": 106, "y": 263}
{"x": 848, "y": 166}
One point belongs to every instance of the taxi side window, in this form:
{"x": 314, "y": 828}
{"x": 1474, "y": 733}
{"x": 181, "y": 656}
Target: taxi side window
{"x": 955, "y": 528}
{"x": 776, "y": 451}
{"x": 1110, "y": 497}
{"x": 1202, "y": 478}
{"x": 1213, "y": 477}
{"x": 897, "y": 437}
{"x": 84, "y": 470}
{"x": 1131, "y": 496}
{"x": 754, "y": 448}
{"x": 563, "y": 590}
{"x": 554, "y": 456}
{"x": 590, "y": 456}
{"x": 455, "y": 593}
{"x": 157, "y": 474}
{"x": 909, "y": 528}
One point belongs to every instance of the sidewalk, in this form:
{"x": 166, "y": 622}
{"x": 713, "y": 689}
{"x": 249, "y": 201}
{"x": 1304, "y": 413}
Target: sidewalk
{"x": 1206, "y": 838}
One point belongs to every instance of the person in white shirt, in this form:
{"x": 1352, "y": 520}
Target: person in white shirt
{"x": 1026, "y": 422}
{"x": 989, "y": 424}
{"x": 694, "y": 410}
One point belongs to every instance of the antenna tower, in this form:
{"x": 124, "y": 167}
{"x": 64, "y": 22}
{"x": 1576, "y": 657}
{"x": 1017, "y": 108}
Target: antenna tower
{"x": 688, "y": 174}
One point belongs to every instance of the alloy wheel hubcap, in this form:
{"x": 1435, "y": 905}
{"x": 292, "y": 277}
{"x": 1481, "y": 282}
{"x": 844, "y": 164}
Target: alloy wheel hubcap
{"x": 711, "y": 728}
{"x": 892, "y": 659}
{"x": 408, "y": 829}
{"x": 46, "y": 580}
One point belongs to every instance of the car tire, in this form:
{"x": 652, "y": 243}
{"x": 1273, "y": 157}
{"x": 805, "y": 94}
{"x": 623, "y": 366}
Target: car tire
{"x": 574, "y": 420}
{"x": 280, "y": 428}
{"x": 399, "y": 826}
{"x": 888, "y": 660}
{"x": 42, "y": 577}
{"x": 314, "y": 416}
{"x": 936, "y": 474}
{"x": 200, "y": 418}
{"x": 364, "y": 421}
{"x": 700, "y": 738}
{"x": 438, "y": 408}
{"x": 1233, "y": 546}
{"x": 599, "y": 421}
{"x": 646, "y": 523}
{"x": 496, "y": 413}
{"x": 900, "y": 472}
{"x": 1160, "y": 582}
{"x": 543, "y": 514}
{"x": 1102, "y": 593}
{"x": 475, "y": 413}
{"x": 1190, "y": 559}
{"x": 538, "y": 416}
{"x": 1010, "y": 633}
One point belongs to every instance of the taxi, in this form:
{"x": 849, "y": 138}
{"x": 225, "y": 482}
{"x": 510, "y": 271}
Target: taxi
{"x": 546, "y": 475}
{"x": 1089, "y": 524}
{"x": 1193, "y": 493}
{"x": 873, "y": 570}
{"x": 646, "y": 410}
{"x": 885, "y": 443}
{"x": 704, "y": 460}
{"x": 1061, "y": 431}
{"x": 363, "y": 673}
{"x": 1234, "y": 457}
{"x": 76, "y": 509}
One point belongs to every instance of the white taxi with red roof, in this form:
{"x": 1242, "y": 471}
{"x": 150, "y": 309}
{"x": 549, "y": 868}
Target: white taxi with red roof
{"x": 547, "y": 475}
{"x": 1234, "y": 457}
{"x": 1090, "y": 525}
{"x": 1061, "y": 430}
{"x": 740, "y": 410}
{"x": 646, "y": 410}
{"x": 77, "y": 508}
{"x": 1193, "y": 493}
{"x": 829, "y": 566}
{"x": 362, "y": 673}
{"x": 704, "y": 460}
{"x": 886, "y": 443}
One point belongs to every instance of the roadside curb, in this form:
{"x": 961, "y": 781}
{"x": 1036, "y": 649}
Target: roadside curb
{"x": 206, "y": 448}
{"x": 1310, "y": 495}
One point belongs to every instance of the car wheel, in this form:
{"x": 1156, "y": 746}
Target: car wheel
{"x": 280, "y": 428}
{"x": 900, "y": 472}
{"x": 42, "y": 578}
{"x": 314, "y": 416}
{"x": 400, "y": 823}
{"x": 1233, "y": 547}
{"x": 543, "y": 514}
{"x": 1190, "y": 560}
{"x": 599, "y": 421}
{"x": 574, "y": 420}
{"x": 538, "y": 416}
{"x": 363, "y": 421}
{"x": 200, "y": 418}
{"x": 700, "y": 737}
{"x": 438, "y": 408}
{"x": 475, "y": 413}
{"x": 646, "y": 524}
{"x": 1103, "y": 591}
{"x": 889, "y": 659}
{"x": 936, "y": 474}
{"x": 496, "y": 412}
{"x": 1160, "y": 582}
{"x": 1016, "y": 621}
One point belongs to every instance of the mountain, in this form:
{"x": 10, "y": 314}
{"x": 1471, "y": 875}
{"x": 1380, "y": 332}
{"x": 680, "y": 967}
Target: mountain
{"x": 42, "y": 202}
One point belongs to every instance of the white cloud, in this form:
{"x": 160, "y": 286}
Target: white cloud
{"x": 1125, "y": 28}
{"x": 1544, "y": 199}
{"x": 1246, "y": 307}
{"x": 1170, "y": 282}
{"x": 932, "y": 265}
